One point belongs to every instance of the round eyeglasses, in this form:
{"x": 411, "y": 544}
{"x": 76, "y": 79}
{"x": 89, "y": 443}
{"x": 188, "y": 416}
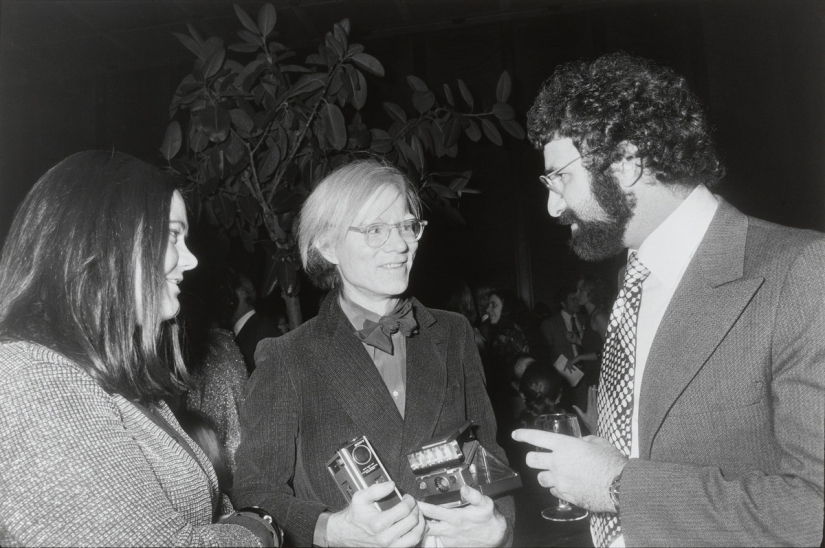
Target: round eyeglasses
{"x": 377, "y": 234}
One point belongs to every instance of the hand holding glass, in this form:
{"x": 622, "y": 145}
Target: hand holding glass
{"x": 567, "y": 424}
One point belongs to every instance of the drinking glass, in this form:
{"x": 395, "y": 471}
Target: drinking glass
{"x": 567, "y": 424}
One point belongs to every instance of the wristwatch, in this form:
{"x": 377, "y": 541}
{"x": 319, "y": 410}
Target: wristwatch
{"x": 614, "y": 491}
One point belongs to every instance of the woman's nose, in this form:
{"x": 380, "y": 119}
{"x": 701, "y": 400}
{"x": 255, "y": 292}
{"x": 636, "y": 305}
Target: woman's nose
{"x": 187, "y": 260}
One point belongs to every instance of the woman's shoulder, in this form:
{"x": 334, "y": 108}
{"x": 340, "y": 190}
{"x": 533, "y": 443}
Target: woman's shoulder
{"x": 24, "y": 360}
{"x": 35, "y": 375}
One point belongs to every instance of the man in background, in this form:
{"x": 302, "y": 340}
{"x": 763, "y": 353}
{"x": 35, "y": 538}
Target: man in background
{"x": 250, "y": 327}
{"x": 710, "y": 406}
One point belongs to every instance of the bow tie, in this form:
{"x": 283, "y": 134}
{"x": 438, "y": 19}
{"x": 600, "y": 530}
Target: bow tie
{"x": 379, "y": 334}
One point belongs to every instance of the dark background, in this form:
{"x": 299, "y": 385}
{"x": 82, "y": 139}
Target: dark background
{"x": 77, "y": 75}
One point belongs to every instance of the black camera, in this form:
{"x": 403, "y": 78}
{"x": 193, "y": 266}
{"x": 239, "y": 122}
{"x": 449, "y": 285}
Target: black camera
{"x": 454, "y": 459}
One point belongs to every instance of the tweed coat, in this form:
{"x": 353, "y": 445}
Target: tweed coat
{"x": 81, "y": 467}
{"x": 732, "y": 404}
{"x": 316, "y": 387}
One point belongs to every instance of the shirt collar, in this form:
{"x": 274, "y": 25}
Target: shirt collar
{"x": 667, "y": 251}
{"x": 356, "y": 313}
{"x": 242, "y": 322}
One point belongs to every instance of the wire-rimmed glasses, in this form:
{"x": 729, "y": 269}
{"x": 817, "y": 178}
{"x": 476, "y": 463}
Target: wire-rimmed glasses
{"x": 553, "y": 180}
{"x": 377, "y": 234}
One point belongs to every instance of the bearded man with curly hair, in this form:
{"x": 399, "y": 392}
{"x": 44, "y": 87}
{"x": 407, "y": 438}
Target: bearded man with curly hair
{"x": 710, "y": 407}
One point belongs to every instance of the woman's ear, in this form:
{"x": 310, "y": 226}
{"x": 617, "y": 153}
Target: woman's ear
{"x": 326, "y": 249}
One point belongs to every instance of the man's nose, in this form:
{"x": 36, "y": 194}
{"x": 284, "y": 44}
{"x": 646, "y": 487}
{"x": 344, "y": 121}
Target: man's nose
{"x": 555, "y": 204}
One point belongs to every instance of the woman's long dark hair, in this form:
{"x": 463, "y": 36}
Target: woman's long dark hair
{"x": 91, "y": 229}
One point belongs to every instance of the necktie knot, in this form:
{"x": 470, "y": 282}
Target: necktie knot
{"x": 636, "y": 272}
{"x": 379, "y": 334}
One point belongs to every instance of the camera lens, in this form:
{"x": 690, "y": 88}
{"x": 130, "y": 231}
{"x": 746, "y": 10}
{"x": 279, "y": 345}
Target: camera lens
{"x": 361, "y": 454}
{"x": 442, "y": 484}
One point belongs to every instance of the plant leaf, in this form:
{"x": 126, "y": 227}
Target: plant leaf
{"x": 269, "y": 163}
{"x": 396, "y": 113}
{"x": 250, "y": 38}
{"x": 308, "y": 83}
{"x": 448, "y": 93}
{"x": 171, "y": 140}
{"x": 381, "y": 141}
{"x": 216, "y": 122}
{"x": 465, "y": 93}
{"x": 359, "y": 90}
{"x": 443, "y": 191}
{"x": 503, "y": 87}
{"x": 452, "y": 131}
{"x": 235, "y": 150}
{"x": 417, "y": 83}
{"x": 243, "y": 47}
{"x": 333, "y": 44}
{"x": 409, "y": 154}
{"x": 246, "y": 20}
{"x": 423, "y": 100}
{"x": 369, "y": 63}
{"x": 415, "y": 144}
{"x": 242, "y": 120}
{"x": 473, "y": 131}
{"x": 491, "y": 131}
{"x": 266, "y": 19}
{"x": 213, "y": 64}
{"x": 335, "y": 125}
{"x": 513, "y": 128}
{"x": 190, "y": 44}
{"x": 503, "y": 111}
{"x": 340, "y": 34}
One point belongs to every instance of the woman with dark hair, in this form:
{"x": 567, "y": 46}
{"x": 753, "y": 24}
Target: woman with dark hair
{"x": 90, "y": 454}
{"x": 372, "y": 363}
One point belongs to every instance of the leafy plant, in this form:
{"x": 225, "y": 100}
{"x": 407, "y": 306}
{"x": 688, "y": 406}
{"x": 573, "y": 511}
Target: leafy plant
{"x": 258, "y": 136}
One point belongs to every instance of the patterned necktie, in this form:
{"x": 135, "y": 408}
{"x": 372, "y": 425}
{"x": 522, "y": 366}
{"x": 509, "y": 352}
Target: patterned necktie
{"x": 616, "y": 383}
{"x": 379, "y": 334}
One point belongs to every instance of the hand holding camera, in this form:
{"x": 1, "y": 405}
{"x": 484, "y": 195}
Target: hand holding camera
{"x": 361, "y": 523}
{"x": 476, "y": 524}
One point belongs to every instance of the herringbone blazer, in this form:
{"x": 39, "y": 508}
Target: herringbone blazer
{"x": 81, "y": 467}
{"x": 732, "y": 404}
{"x": 317, "y": 387}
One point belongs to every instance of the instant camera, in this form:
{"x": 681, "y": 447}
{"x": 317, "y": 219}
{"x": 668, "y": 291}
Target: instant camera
{"x": 454, "y": 459}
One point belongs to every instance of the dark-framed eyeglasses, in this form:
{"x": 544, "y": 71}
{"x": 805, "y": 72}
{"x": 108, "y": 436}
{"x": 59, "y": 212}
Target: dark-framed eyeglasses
{"x": 377, "y": 234}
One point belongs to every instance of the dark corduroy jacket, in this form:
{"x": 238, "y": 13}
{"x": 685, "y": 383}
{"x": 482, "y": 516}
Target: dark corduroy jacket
{"x": 316, "y": 387}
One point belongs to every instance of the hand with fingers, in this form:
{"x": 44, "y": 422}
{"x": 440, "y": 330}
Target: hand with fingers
{"x": 573, "y": 338}
{"x": 571, "y": 363}
{"x": 363, "y": 524}
{"x": 578, "y": 470}
{"x": 591, "y": 417}
{"x": 478, "y": 524}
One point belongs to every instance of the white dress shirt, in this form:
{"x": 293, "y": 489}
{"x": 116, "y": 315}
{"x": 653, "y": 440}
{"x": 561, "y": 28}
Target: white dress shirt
{"x": 242, "y": 322}
{"x": 666, "y": 252}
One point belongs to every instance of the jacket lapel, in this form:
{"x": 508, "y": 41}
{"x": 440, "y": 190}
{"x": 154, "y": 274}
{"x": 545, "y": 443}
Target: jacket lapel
{"x": 709, "y": 300}
{"x": 352, "y": 378}
{"x": 426, "y": 380}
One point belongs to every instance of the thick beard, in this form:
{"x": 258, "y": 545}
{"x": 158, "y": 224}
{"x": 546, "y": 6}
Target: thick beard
{"x": 599, "y": 240}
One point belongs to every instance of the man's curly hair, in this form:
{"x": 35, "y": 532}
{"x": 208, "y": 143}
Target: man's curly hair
{"x": 620, "y": 98}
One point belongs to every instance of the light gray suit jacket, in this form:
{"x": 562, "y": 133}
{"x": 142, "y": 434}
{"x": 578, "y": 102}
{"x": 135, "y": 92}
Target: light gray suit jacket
{"x": 732, "y": 404}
